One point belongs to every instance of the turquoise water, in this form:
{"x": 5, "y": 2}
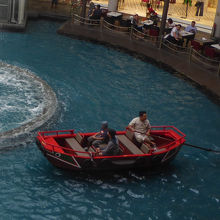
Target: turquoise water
{"x": 95, "y": 83}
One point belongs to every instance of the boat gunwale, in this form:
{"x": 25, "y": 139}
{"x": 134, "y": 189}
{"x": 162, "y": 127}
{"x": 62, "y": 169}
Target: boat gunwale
{"x": 176, "y": 143}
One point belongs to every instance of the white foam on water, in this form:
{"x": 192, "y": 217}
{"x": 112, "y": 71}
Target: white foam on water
{"x": 184, "y": 200}
{"x": 169, "y": 214}
{"x": 216, "y": 199}
{"x": 174, "y": 176}
{"x": 134, "y": 195}
{"x": 194, "y": 190}
{"x": 22, "y": 98}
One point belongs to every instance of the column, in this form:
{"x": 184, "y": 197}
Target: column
{"x": 112, "y": 5}
{"x": 21, "y": 11}
{"x": 13, "y": 11}
{"x": 217, "y": 21}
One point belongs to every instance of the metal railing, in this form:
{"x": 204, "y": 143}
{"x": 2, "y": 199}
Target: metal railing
{"x": 88, "y": 21}
{"x": 174, "y": 47}
{"x": 117, "y": 28}
{"x": 158, "y": 41}
{"x": 204, "y": 60}
{"x": 144, "y": 36}
{"x": 53, "y": 148}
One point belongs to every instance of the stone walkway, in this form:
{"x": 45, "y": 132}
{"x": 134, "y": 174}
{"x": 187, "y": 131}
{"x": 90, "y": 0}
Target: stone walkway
{"x": 43, "y": 8}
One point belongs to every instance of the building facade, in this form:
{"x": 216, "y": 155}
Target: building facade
{"x": 202, "y": 11}
{"x": 13, "y": 12}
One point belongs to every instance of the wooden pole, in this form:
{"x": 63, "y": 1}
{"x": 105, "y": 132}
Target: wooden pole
{"x": 131, "y": 33}
{"x": 164, "y": 16}
{"x": 219, "y": 70}
{"x": 160, "y": 43}
{"x": 83, "y": 12}
{"x": 190, "y": 54}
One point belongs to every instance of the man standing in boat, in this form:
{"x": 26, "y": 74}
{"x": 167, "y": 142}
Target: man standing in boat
{"x": 101, "y": 137}
{"x": 141, "y": 128}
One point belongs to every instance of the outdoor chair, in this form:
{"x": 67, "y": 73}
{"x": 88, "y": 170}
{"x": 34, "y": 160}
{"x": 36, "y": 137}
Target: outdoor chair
{"x": 210, "y": 52}
{"x": 154, "y": 33}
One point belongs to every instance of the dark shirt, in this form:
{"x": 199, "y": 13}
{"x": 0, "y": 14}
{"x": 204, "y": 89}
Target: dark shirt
{"x": 97, "y": 14}
{"x": 112, "y": 148}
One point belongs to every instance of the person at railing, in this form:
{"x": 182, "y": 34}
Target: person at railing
{"x": 174, "y": 36}
{"x": 192, "y": 29}
{"x": 135, "y": 21}
{"x": 91, "y": 8}
{"x": 169, "y": 25}
{"x": 141, "y": 128}
{"x": 97, "y": 13}
{"x": 101, "y": 137}
{"x": 112, "y": 147}
{"x": 152, "y": 14}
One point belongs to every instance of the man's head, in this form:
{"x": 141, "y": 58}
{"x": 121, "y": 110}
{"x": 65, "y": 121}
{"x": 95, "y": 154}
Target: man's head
{"x": 136, "y": 16}
{"x": 178, "y": 27}
{"x": 98, "y": 6}
{"x": 111, "y": 133}
{"x": 193, "y": 23}
{"x": 170, "y": 20}
{"x": 142, "y": 115}
{"x": 104, "y": 124}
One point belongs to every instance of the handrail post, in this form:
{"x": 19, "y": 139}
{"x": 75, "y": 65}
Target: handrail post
{"x": 73, "y": 18}
{"x": 219, "y": 70}
{"x": 190, "y": 54}
{"x": 101, "y": 24}
{"x": 160, "y": 43}
{"x": 131, "y": 32}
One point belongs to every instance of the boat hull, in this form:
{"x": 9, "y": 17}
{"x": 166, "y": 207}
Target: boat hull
{"x": 75, "y": 163}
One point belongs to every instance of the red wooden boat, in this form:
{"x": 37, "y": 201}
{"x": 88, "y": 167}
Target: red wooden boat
{"x": 67, "y": 150}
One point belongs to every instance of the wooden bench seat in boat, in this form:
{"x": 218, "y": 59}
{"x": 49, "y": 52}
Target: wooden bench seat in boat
{"x": 144, "y": 148}
{"x": 74, "y": 144}
{"x": 51, "y": 145}
{"x": 129, "y": 144}
{"x": 130, "y": 135}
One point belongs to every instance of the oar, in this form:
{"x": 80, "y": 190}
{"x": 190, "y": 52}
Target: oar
{"x": 190, "y": 145}
{"x": 202, "y": 148}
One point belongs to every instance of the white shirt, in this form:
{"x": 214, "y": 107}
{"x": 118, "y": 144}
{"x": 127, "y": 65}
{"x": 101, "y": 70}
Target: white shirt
{"x": 140, "y": 126}
{"x": 174, "y": 30}
{"x": 168, "y": 25}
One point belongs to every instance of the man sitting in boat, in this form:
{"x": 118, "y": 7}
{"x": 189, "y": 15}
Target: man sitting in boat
{"x": 141, "y": 128}
{"x": 112, "y": 147}
{"x": 100, "y": 137}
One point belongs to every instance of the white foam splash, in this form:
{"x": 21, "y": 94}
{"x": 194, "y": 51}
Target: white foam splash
{"x": 22, "y": 98}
